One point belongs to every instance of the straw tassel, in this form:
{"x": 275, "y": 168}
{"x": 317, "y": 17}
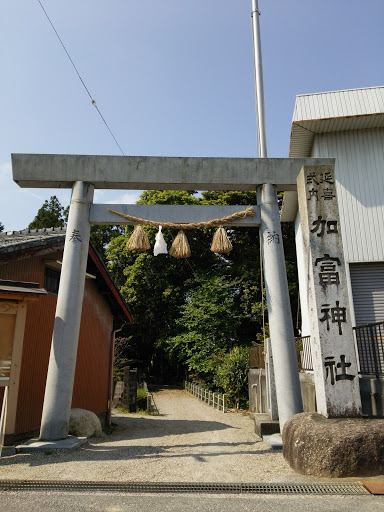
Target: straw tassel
{"x": 138, "y": 240}
{"x": 180, "y": 247}
{"x": 220, "y": 242}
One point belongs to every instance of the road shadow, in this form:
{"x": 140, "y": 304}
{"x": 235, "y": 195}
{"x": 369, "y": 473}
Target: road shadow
{"x": 201, "y": 452}
{"x": 141, "y": 427}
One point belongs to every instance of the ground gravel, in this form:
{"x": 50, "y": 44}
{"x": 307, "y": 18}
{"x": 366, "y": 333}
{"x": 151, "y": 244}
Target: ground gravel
{"x": 188, "y": 442}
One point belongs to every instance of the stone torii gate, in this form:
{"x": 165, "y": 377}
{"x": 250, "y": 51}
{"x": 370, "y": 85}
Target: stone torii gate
{"x": 85, "y": 173}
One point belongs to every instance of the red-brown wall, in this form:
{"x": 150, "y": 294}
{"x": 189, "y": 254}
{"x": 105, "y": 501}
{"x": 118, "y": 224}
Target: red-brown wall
{"x": 93, "y": 358}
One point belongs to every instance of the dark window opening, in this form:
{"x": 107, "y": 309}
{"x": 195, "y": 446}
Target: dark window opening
{"x": 51, "y": 280}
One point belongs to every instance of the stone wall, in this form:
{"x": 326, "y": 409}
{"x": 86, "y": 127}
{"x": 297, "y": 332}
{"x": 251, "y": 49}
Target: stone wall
{"x": 129, "y": 395}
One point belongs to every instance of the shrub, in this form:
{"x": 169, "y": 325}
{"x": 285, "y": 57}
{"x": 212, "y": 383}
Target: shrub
{"x": 232, "y": 376}
{"x": 141, "y": 402}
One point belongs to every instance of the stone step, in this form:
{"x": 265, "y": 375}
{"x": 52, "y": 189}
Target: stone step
{"x": 264, "y": 426}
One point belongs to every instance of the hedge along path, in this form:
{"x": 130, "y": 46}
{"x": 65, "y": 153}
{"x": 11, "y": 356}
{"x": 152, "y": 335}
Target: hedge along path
{"x": 248, "y": 212}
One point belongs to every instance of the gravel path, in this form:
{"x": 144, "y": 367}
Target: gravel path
{"x": 188, "y": 442}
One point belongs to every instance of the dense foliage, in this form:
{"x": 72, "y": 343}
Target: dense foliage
{"x": 101, "y": 236}
{"x": 196, "y": 315}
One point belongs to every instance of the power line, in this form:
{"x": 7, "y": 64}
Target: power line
{"x": 78, "y": 74}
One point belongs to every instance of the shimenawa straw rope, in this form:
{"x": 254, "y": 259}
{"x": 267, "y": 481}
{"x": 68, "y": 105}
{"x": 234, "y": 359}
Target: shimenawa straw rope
{"x": 248, "y": 212}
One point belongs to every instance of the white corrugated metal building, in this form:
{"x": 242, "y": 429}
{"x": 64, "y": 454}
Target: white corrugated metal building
{"x": 349, "y": 126}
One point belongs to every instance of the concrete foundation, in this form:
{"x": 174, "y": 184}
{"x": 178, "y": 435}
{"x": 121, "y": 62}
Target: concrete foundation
{"x": 372, "y": 396}
{"x": 36, "y": 445}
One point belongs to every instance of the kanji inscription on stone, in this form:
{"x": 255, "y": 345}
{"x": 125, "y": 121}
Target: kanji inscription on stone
{"x": 328, "y": 273}
{"x": 332, "y": 343}
{"x": 75, "y": 236}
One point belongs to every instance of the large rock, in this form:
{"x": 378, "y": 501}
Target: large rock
{"x": 337, "y": 447}
{"x": 84, "y": 423}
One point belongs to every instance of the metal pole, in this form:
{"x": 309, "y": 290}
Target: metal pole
{"x": 3, "y": 418}
{"x": 259, "y": 78}
{"x": 62, "y": 363}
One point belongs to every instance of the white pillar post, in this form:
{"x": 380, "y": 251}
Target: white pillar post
{"x": 259, "y": 82}
{"x": 288, "y": 392}
{"x": 62, "y": 363}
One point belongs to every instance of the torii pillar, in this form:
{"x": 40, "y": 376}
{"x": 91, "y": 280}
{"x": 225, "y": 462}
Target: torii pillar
{"x": 286, "y": 372}
{"x": 62, "y": 362}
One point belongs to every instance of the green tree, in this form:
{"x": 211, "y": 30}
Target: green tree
{"x": 1, "y": 227}
{"x": 243, "y": 262}
{"x": 168, "y": 197}
{"x": 51, "y": 215}
{"x": 155, "y": 287}
{"x": 162, "y": 291}
{"x": 245, "y": 257}
{"x": 231, "y": 376}
{"x": 208, "y": 325}
{"x": 193, "y": 312}
{"x": 101, "y": 236}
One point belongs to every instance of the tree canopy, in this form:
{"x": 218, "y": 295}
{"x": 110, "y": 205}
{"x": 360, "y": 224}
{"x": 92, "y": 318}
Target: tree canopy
{"x": 193, "y": 314}
{"x": 51, "y": 215}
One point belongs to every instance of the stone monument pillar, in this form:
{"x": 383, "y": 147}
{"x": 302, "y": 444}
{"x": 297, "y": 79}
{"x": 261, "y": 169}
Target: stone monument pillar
{"x": 332, "y": 343}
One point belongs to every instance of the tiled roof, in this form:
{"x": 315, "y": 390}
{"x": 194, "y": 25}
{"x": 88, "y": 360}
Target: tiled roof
{"x": 11, "y": 241}
{"x": 42, "y": 241}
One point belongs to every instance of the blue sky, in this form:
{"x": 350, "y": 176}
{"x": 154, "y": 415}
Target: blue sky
{"x": 171, "y": 78}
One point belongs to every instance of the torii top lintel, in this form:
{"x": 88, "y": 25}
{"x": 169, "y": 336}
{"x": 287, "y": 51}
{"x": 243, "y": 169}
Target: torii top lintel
{"x": 158, "y": 173}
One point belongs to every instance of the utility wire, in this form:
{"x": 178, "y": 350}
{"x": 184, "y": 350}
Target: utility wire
{"x": 78, "y": 74}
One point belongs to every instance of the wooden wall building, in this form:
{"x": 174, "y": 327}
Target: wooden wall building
{"x": 35, "y": 257}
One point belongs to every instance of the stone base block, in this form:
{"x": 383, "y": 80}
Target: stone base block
{"x": 264, "y": 426}
{"x": 337, "y": 447}
{"x": 274, "y": 441}
{"x": 35, "y": 445}
{"x": 7, "y": 451}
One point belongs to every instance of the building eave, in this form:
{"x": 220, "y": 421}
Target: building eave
{"x": 110, "y": 283}
{"x": 330, "y": 112}
{"x": 303, "y": 132}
